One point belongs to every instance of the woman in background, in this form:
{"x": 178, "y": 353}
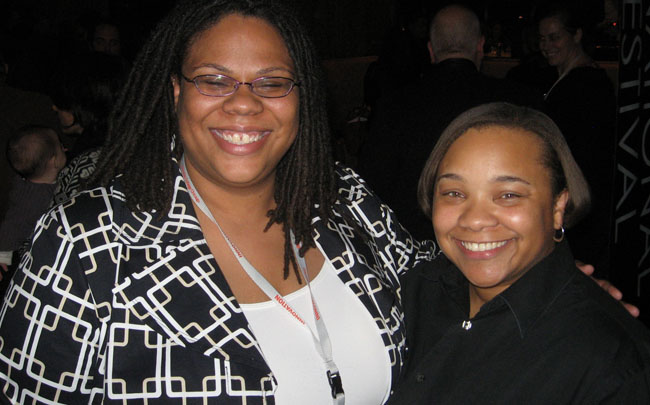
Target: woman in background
{"x": 582, "y": 103}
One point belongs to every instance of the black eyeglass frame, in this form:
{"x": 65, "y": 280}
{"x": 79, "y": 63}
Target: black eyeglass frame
{"x": 238, "y": 84}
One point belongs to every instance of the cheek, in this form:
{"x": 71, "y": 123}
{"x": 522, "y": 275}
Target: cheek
{"x": 530, "y": 223}
{"x": 443, "y": 219}
{"x": 521, "y": 220}
{"x": 192, "y": 110}
{"x": 287, "y": 111}
{"x": 562, "y": 44}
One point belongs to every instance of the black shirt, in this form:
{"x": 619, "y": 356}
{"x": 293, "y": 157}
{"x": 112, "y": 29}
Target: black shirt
{"x": 553, "y": 337}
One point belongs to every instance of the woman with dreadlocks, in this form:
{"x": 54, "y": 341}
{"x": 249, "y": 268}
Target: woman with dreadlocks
{"x": 222, "y": 257}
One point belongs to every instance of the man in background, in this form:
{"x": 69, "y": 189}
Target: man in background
{"x": 408, "y": 121}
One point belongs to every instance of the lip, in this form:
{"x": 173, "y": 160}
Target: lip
{"x": 240, "y": 141}
{"x": 482, "y": 250}
{"x": 551, "y": 54}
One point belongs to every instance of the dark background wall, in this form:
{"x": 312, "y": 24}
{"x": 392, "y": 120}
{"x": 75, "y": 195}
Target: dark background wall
{"x": 341, "y": 28}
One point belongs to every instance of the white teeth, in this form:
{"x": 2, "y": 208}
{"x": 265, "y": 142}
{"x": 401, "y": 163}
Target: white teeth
{"x": 481, "y": 247}
{"x": 239, "y": 138}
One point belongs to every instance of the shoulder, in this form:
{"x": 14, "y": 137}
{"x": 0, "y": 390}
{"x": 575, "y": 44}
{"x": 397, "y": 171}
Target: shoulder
{"x": 376, "y": 219}
{"x": 351, "y": 187}
{"x": 90, "y": 210}
{"x": 589, "y": 75}
{"x": 357, "y": 198}
{"x": 609, "y": 333}
{"x": 104, "y": 210}
{"x": 609, "y": 312}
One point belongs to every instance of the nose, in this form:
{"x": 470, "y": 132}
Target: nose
{"x": 243, "y": 101}
{"x": 542, "y": 44}
{"x": 477, "y": 216}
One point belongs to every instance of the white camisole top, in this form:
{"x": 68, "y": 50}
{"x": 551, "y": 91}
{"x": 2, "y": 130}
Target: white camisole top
{"x": 288, "y": 348}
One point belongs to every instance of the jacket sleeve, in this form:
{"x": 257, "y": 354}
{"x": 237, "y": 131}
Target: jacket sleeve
{"x": 396, "y": 250}
{"x": 49, "y": 325}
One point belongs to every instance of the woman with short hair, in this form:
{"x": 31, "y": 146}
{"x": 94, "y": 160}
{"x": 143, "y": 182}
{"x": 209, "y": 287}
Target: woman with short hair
{"x": 504, "y": 317}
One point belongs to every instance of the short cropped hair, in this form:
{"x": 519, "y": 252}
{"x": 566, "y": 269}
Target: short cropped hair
{"x": 455, "y": 29}
{"x": 30, "y": 149}
{"x": 556, "y": 155}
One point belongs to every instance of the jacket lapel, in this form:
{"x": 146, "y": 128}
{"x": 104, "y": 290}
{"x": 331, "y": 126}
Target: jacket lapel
{"x": 169, "y": 280}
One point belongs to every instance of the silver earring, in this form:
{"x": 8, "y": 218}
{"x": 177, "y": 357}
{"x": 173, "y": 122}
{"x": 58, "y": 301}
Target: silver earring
{"x": 561, "y": 237}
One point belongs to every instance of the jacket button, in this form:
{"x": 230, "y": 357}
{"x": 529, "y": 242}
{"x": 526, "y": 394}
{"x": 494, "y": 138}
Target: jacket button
{"x": 419, "y": 378}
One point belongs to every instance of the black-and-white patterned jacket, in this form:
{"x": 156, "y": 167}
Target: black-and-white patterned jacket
{"x": 110, "y": 305}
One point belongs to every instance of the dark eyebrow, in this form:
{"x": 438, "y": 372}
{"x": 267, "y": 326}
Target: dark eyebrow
{"x": 510, "y": 179}
{"x": 498, "y": 179}
{"x": 273, "y": 69}
{"x": 213, "y": 66}
{"x": 450, "y": 176}
{"x": 229, "y": 72}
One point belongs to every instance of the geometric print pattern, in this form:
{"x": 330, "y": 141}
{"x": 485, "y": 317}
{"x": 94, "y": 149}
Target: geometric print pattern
{"x": 114, "y": 306}
{"x": 72, "y": 177}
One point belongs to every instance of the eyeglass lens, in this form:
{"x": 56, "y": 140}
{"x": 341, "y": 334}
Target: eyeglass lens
{"x": 218, "y": 85}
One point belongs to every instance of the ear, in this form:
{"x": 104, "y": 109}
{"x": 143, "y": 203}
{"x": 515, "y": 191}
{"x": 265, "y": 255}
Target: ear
{"x": 479, "y": 52}
{"x": 53, "y": 164}
{"x": 559, "y": 207}
{"x": 431, "y": 55}
{"x": 480, "y": 45}
{"x": 177, "y": 88}
{"x": 577, "y": 38}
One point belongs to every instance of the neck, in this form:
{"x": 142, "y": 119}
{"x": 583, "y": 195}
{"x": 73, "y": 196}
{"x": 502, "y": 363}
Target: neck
{"x": 478, "y": 297}
{"x": 243, "y": 205}
{"x": 579, "y": 58}
{"x": 47, "y": 178}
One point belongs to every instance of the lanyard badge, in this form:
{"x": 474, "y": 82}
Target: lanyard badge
{"x": 336, "y": 384}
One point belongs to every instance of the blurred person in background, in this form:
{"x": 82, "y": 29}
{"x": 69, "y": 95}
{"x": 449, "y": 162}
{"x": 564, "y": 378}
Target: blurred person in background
{"x": 37, "y": 156}
{"x": 583, "y": 104}
{"x": 83, "y": 90}
{"x": 18, "y": 108}
{"x": 106, "y": 38}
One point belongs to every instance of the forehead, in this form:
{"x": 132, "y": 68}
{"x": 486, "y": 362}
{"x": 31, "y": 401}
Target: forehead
{"x": 551, "y": 25}
{"x": 239, "y": 38}
{"x": 106, "y": 31}
{"x": 495, "y": 148}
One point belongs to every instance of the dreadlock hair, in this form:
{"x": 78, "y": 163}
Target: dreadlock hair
{"x": 143, "y": 122}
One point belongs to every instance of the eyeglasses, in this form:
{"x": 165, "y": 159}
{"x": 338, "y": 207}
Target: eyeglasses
{"x": 221, "y": 86}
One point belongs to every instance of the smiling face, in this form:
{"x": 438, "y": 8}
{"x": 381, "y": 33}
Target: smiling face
{"x": 494, "y": 214}
{"x": 557, "y": 44}
{"x": 236, "y": 140}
